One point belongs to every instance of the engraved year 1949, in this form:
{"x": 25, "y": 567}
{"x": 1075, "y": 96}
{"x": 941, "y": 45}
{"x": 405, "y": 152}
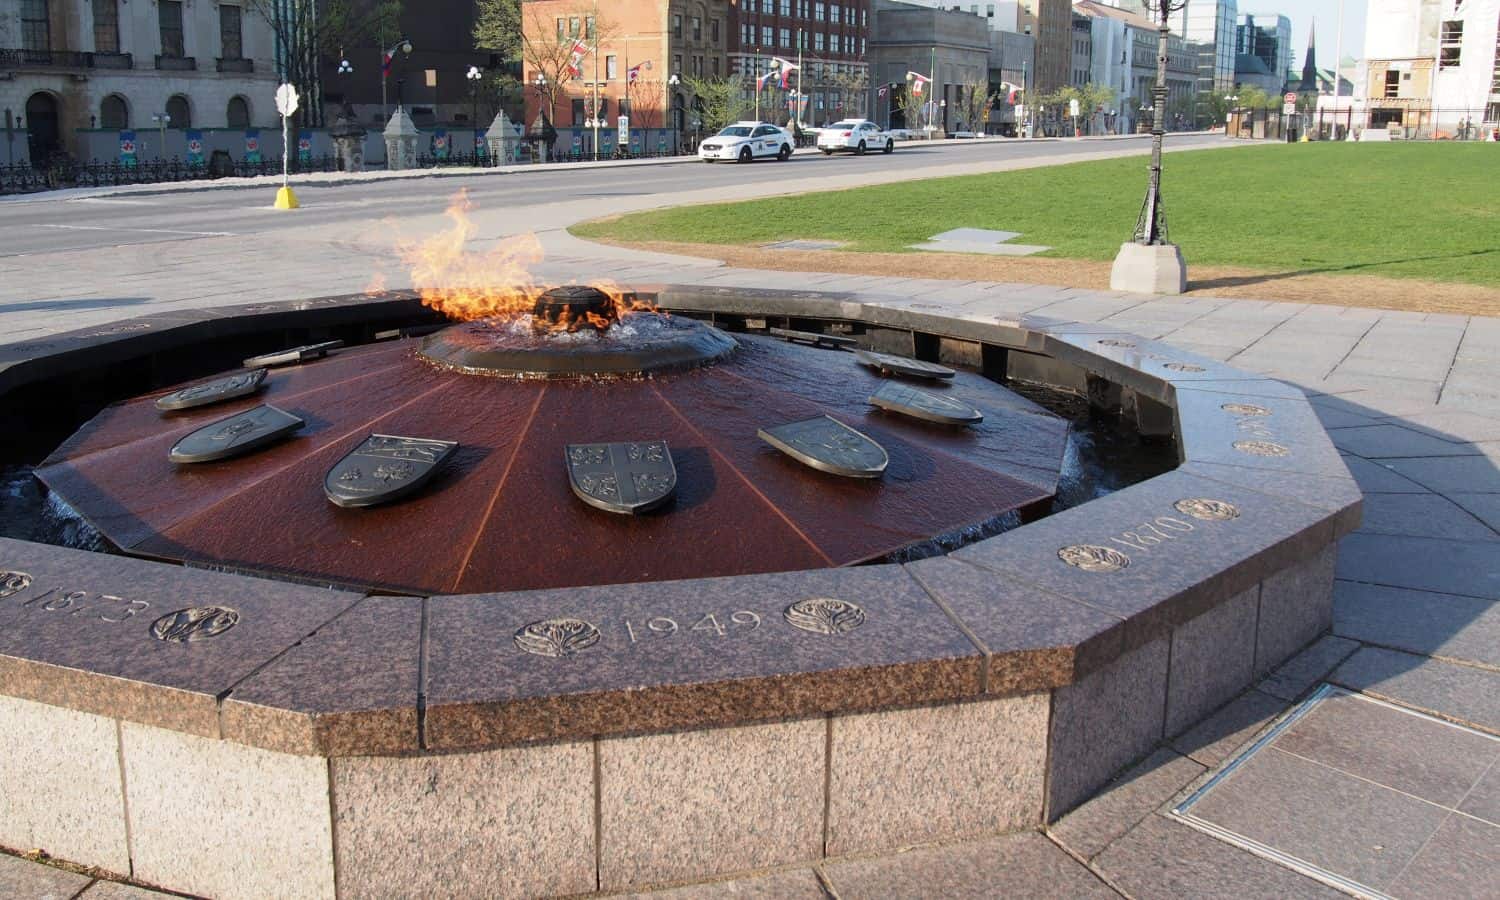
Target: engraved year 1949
{"x": 740, "y": 621}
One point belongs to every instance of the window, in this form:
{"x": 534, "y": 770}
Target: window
{"x": 697, "y": 29}
{"x": 716, "y": 66}
{"x": 169, "y": 17}
{"x": 676, "y": 63}
{"x": 588, "y": 27}
{"x": 1392, "y": 83}
{"x": 698, "y": 66}
{"x": 818, "y": 11}
{"x": 818, "y": 42}
{"x": 767, "y": 38}
{"x": 36, "y": 30}
{"x": 177, "y": 105}
{"x": 1450, "y": 44}
{"x": 713, "y": 29}
{"x": 786, "y": 7}
{"x": 573, "y": 26}
{"x": 677, "y": 25}
{"x": 113, "y": 113}
{"x": 786, "y": 37}
{"x": 578, "y": 115}
{"x": 229, "y": 32}
{"x": 107, "y": 28}
{"x": 833, "y": 13}
{"x": 562, "y": 30}
{"x": 624, "y": 106}
{"x": 609, "y": 68}
{"x": 238, "y": 113}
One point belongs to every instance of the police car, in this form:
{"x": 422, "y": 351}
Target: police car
{"x": 858, "y": 135}
{"x": 746, "y": 141}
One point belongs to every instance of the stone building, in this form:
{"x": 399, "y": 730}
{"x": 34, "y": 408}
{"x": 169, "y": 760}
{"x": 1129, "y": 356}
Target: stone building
{"x": 1433, "y": 66}
{"x": 1081, "y": 47}
{"x": 832, "y": 39}
{"x": 953, "y": 47}
{"x": 67, "y": 66}
{"x": 1051, "y": 23}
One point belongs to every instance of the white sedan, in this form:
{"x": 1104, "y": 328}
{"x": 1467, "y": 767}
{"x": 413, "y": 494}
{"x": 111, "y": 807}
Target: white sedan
{"x": 745, "y": 141}
{"x": 857, "y": 135}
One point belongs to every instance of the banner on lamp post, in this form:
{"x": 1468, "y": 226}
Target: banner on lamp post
{"x": 194, "y": 147}
{"x": 127, "y": 149}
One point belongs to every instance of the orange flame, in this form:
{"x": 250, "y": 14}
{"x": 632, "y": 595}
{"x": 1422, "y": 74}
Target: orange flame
{"x": 494, "y": 283}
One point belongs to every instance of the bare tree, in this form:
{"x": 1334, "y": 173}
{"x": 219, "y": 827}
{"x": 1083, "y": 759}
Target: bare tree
{"x": 913, "y": 106}
{"x": 307, "y": 30}
{"x": 646, "y": 101}
{"x": 974, "y": 101}
{"x": 548, "y": 52}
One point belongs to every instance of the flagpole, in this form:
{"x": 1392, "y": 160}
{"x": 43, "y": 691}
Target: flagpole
{"x": 596, "y": 80}
{"x": 755, "y": 72}
{"x": 932, "y": 98}
{"x": 797, "y": 107}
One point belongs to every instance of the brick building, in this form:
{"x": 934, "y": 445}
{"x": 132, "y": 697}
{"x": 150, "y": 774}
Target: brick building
{"x": 832, "y": 39}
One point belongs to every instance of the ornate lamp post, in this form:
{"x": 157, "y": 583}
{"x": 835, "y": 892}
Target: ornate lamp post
{"x": 1150, "y": 263}
{"x": 403, "y": 46}
{"x": 474, "y": 76}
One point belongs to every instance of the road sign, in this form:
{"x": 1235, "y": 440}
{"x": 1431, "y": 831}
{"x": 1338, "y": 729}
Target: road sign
{"x": 286, "y": 100}
{"x": 623, "y": 123}
{"x": 1073, "y": 107}
{"x": 1290, "y": 97}
{"x": 1288, "y": 109}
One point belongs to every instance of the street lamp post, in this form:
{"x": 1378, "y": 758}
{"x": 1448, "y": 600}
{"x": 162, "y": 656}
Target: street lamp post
{"x": 403, "y": 46}
{"x": 672, "y": 82}
{"x": 1150, "y": 263}
{"x": 474, "y": 75}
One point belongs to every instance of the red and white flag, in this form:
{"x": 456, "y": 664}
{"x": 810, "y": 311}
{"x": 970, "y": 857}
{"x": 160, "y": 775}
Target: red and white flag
{"x": 787, "y": 68}
{"x": 918, "y": 82}
{"x": 634, "y": 72}
{"x": 575, "y": 59}
{"x": 760, "y": 83}
{"x": 1012, "y": 91}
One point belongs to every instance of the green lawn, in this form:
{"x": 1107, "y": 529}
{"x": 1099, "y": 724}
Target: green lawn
{"x": 1412, "y": 210}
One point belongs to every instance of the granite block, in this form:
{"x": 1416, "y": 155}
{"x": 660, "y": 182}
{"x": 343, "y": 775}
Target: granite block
{"x": 1124, "y": 802}
{"x": 1160, "y": 552}
{"x": 1217, "y": 737}
{"x": 61, "y": 790}
{"x": 1103, "y": 723}
{"x": 1150, "y": 367}
{"x": 1296, "y": 605}
{"x": 1484, "y": 798}
{"x": 798, "y": 884}
{"x": 1461, "y": 693}
{"x": 1459, "y": 863}
{"x": 668, "y": 655}
{"x": 1424, "y": 564}
{"x": 1017, "y": 865}
{"x": 82, "y": 632}
{"x": 349, "y": 689}
{"x": 983, "y": 768}
{"x": 1331, "y": 820}
{"x": 512, "y": 822}
{"x": 1264, "y": 433}
{"x": 27, "y": 880}
{"x": 1341, "y": 496}
{"x": 1386, "y": 440}
{"x": 220, "y": 819}
{"x": 1032, "y": 639}
{"x": 1295, "y": 677}
{"x": 704, "y": 803}
{"x": 1443, "y": 625}
{"x": 1163, "y": 858}
{"x": 1212, "y": 660}
{"x": 1412, "y": 753}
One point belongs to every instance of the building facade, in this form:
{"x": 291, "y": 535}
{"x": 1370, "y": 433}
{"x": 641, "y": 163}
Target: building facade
{"x": 1081, "y": 51}
{"x": 832, "y": 41}
{"x": 1210, "y": 24}
{"x": 1432, "y": 67}
{"x": 953, "y": 48}
{"x": 1110, "y": 64}
{"x": 1051, "y": 22}
{"x": 1268, "y": 39}
{"x": 67, "y": 66}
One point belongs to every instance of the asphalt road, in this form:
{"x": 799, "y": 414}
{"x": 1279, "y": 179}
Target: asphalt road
{"x": 82, "y": 223}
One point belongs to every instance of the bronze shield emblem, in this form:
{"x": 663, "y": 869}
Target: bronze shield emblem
{"x": 828, "y": 445}
{"x": 385, "y": 467}
{"x": 294, "y": 355}
{"x": 900, "y": 365}
{"x": 216, "y": 391}
{"x": 908, "y": 401}
{"x": 237, "y": 434}
{"x": 622, "y": 478}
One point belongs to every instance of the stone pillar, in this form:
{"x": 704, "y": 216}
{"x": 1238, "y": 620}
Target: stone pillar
{"x": 348, "y": 142}
{"x": 400, "y": 141}
{"x": 502, "y": 138}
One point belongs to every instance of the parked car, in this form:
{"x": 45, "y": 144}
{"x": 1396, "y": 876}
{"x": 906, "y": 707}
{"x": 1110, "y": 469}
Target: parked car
{"x": 746, "y": 141}
{"x": 858, "y": 135}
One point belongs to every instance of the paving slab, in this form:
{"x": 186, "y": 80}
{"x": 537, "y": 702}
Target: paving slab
{"x": 1484, "y": 799}
{"x": 1380, "y": 478}
{"x": 1427, "y": 564}
{"x": 1473, "y": 474}
{"x": 1457, "y": 692}
{"x": 1162, "y": 858}
{"x": 1300, "y": 674}
{"x": 1387, "y": 441}
{"x": 1121, "y": 805}
{"x": 1019, "y": 865}
{"x": 1442, "y": 625}
{"x": 1459, "y": 862}
{"x": 1218, "y": 736}
{"x": 22, "y": 878}
{"x": 1485, "y": 507}
{"x": 1424, "y": 515}
{"x": 798, "y": 884}
{"x": 1448, "y": 425}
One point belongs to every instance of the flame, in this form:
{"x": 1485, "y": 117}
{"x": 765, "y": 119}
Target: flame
{"x": 496, "y": 283}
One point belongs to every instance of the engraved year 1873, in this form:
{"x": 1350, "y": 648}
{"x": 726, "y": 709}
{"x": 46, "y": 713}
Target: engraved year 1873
{"x": 88, "y": 604}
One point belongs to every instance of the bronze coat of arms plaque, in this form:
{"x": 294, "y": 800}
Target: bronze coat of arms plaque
{"x": 832, "y": 341}
{"x": 908, "y": 401}
{"x": 622, "y": 478}
{"x": 237, "y": 434}
{"x": 828, "y": 445}
{"x": 216, "y": 391}
{"x": 294, "y": 355}
{"x": 385, "y": 467}
{"x": 900, "y": 365}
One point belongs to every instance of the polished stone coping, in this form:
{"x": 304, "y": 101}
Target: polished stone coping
{"x": 318, "y": 672}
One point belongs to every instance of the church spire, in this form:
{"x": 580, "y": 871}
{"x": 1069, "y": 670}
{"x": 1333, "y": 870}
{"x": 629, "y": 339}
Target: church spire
{"x": 1310, "y": 63}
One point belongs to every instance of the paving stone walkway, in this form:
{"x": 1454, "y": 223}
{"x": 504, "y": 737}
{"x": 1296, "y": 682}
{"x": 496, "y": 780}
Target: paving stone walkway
{"x": 1413, "y": 402}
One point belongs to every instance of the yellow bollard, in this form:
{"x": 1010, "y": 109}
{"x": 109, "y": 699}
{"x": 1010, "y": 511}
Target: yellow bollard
{"x": 285, "y": 199}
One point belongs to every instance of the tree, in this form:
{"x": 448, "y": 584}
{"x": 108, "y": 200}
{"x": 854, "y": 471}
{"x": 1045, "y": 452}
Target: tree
{"x": 497, "y": 27}
{"x": 719, "y": 101}
{"x": 974, "y": 102}
{"x": 309, "y": 31}
{"x": 850, "y": 88}
{"x": 914, "y": 107}
{"x": 647, "y": 99}
{"x": 548, "y": 53}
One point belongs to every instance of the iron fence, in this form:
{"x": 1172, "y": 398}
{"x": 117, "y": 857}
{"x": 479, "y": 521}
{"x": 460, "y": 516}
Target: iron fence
{"x": 62, "y": 173}
{"x": 1398, "y": 123}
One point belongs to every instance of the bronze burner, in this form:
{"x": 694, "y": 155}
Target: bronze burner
{"x": 573, "y": 307}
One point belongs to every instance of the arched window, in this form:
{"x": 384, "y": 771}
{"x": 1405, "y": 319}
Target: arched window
{"x": 43, "y": 116}
{"x": 238, "y": 113}
{"x": 114, "y": 113}
{"x": 177, "y": 108}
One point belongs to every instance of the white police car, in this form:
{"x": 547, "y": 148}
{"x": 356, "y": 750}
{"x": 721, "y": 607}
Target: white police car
{"x": 746, "y": 141}
{"x": 858, "y": 135}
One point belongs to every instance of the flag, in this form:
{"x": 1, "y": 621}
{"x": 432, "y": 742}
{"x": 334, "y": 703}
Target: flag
{"x": 635, "y": 71}
{"x": 1012, "y": 92}
{"x": 385, "y": 65}
{"x": 883, "y": 89}
{"x": 918, "y": 82}
{"x": 760, "y": 83}
{"x": 575, "y": 59}
{"x": 786, "y": 68}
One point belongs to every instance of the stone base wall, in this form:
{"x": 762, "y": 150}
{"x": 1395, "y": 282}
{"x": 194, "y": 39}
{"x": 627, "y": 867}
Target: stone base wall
{"x": 222, "y": 819}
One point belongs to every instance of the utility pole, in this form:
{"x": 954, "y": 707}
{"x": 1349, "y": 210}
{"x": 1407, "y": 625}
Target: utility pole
{"x": 593, "y": 26}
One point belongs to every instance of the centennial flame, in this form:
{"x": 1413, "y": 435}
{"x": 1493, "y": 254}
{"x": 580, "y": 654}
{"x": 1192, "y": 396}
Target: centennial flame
{"x": 497, "y": 283}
